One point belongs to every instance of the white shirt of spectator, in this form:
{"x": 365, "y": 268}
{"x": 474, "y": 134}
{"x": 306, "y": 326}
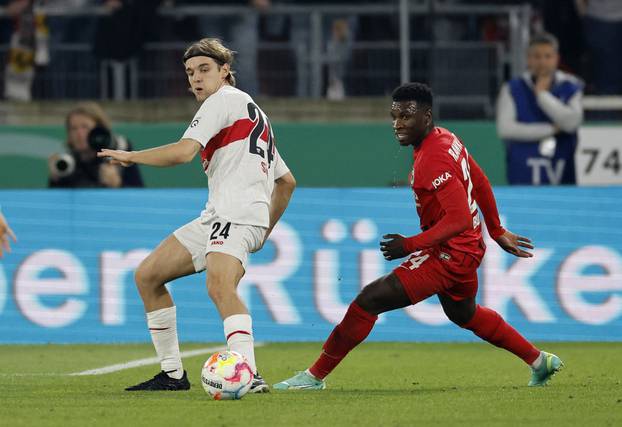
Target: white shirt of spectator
{"x": 235, "y": 135}
{"x": 567, "y": 117}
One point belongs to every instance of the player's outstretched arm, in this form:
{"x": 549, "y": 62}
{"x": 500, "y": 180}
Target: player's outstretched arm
{"x": 173, "y": 154}
{"x": 282, "y": 193}
{"x": 482, "y": 192}
{"x": 513, "y": 243}
{"x": 6, "y": 234}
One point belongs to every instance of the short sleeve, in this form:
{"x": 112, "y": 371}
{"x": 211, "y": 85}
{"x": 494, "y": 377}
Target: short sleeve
{"x": 211, "y": 118}
{"x": 280, "y": 168}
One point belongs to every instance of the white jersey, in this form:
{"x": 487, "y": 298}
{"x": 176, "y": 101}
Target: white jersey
{"x": 239, "y": 156}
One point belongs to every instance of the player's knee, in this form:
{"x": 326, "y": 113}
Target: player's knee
{"x": 363, "y": 302}
{"x": 219, "y": 290}
{"x": 148, "y": 277}
{"x": 460, "y": 317}
{"x": 368, "y": 301}
{"x": 219, "y": 295}
{"x": 144, "y": 276}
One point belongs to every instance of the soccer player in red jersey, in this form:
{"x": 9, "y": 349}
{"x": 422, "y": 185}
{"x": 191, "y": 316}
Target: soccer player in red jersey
{"x": 450, "y": 189}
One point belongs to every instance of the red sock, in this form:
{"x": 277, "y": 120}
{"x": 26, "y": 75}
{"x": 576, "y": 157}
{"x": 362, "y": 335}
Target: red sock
{"x": 490, "y": 326}
{"x": 353, "y": 329}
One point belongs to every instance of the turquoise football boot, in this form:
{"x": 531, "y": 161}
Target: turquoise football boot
{"x": 301, "y": 381}
{"x": 549, "y": 366}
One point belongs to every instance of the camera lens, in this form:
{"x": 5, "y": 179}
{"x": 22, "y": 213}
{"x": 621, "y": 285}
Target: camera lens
{"x": 100, "y": 138}
{"x": 62, "y": 165}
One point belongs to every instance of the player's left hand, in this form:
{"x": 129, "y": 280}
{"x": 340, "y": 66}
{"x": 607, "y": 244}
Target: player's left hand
{"x": 393, "y": 247}
{"x": 117, "y": 157}
{"x": 6, "y": 234}
{"x": 513, "y": 243}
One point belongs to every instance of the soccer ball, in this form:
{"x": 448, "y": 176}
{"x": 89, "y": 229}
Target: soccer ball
{"x": 226, "y": 375}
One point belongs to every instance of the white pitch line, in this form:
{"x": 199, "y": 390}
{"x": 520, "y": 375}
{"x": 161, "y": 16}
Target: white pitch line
{"x": 148, "y": 361}
{"x": 28, "y": 374}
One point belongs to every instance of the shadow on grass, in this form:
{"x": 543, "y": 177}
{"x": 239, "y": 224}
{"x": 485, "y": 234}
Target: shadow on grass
{"x": 395, "y": 392}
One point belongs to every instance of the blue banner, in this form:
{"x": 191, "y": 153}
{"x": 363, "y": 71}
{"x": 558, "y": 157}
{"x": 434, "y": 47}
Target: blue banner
{"x": 69, "y": 277}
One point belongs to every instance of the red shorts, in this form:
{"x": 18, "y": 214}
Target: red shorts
{"x": 435, "y": 271}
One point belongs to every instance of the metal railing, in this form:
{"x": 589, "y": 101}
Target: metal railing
{"x": 461, "y": 72}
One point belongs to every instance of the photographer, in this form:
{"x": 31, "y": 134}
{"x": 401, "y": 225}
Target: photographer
{"x": 88, "y": 131}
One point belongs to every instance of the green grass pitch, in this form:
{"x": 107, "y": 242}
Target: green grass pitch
{"x": 378, "y": 384}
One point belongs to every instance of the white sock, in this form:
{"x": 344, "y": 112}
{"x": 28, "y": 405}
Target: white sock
{"x": 163, "y": 328}
{"x": 239, "y": 335}
{"x": 536, "y": 363}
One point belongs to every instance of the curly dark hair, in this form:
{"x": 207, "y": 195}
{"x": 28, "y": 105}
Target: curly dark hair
{"x": 419, "y": 92}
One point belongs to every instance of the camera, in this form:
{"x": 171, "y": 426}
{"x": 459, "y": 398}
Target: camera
{"x": 98, "y": 138}
{"x": 63, "y": 165}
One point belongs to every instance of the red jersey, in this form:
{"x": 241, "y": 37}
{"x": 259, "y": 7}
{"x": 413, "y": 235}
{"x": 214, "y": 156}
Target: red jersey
{"x": 448, "y": 185}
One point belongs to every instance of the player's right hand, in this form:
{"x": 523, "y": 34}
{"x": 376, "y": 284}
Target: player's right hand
{"x": 117, "y": 157}
{"x": 512, "y": 243}
{"x": 393, "y": 247}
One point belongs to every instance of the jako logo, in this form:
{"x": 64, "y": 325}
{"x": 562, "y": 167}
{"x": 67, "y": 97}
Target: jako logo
{"x": 217, "y": 242}
{"x": 441, "y": 179}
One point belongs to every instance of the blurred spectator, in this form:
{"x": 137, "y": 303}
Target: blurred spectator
{"x": 28, "y": 48}
{"x": 602, "y": 21}
{"x": 538, "y": 115}
{"x": 337, "y": 36}
{"x": 338, "y": 51}
{"x": 119, "y": 38}
{"x": 88, "y": 131}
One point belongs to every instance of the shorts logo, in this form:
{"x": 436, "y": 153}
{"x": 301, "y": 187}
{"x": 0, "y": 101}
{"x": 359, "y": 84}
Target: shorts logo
{"x": 441, "y": 179}
{"x": 194, "y": 122}
{"x": 217, "y": 242}
{"x": 444, "y": 256}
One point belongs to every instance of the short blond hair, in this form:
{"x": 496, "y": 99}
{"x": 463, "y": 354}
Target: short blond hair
{"x": 213, "y": 48}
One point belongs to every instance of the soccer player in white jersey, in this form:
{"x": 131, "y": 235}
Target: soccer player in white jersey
{"x": 249, "y": 189}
